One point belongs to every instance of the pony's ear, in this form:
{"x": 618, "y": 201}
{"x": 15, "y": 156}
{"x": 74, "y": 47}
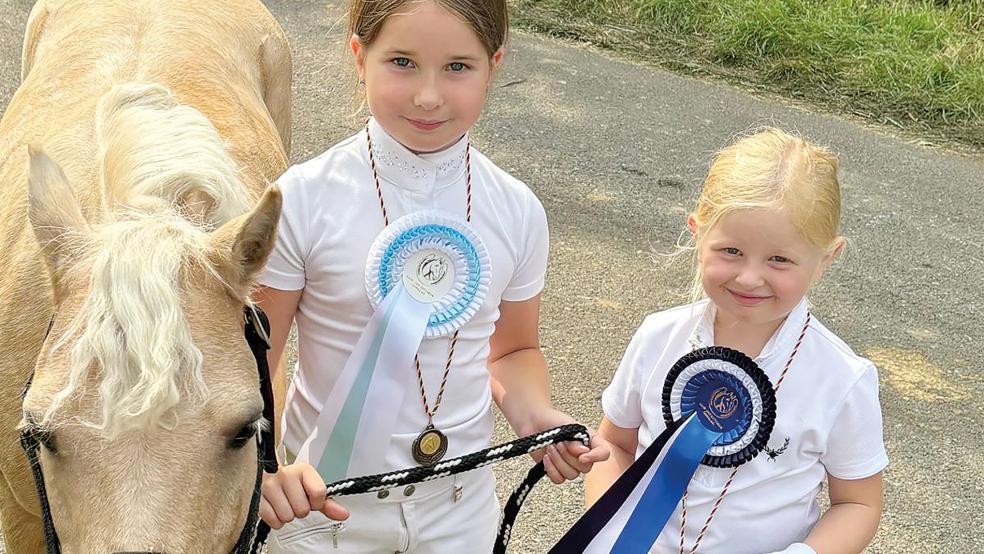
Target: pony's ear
{"x": 242, "y": 245}
{"x": 54, "y": 212}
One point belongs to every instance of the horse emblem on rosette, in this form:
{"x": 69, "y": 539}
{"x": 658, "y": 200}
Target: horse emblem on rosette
{"x": 433, "y": 268}
{"x": 133, "y": 162}
{"x": 724, "y": 403}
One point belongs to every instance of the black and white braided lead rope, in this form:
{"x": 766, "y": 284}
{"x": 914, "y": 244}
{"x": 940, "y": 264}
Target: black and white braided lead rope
{"x": 496, "y": 454}
{"x": 468, "y": 462}
{"x": 515, "y": 502}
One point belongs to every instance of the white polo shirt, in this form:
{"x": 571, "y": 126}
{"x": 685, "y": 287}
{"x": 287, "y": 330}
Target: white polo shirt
{"x": 827, "y": 408}
{"x": 330, "y": 217}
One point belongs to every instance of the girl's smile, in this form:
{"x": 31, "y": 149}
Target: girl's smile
{"x": 425, "y": 125}
{"x": 748, "y": 299}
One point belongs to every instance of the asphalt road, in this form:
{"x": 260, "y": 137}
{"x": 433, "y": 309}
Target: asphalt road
{"x": 616, "y": 150}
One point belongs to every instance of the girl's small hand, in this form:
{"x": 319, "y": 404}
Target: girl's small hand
{"x": 565, "y": 461}
{"x": 295, "y": 491}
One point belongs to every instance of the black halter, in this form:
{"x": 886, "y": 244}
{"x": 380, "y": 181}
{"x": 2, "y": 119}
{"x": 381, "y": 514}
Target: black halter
{"x": 252, "y": 535}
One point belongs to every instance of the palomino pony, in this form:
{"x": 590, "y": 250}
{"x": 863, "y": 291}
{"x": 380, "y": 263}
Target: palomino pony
{"x": 130, "y": 157}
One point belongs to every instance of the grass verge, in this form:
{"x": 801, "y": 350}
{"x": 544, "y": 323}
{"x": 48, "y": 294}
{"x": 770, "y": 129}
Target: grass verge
{"x": 914, "y": 64}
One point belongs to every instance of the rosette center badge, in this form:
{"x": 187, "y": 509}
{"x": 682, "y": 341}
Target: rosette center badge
{"x": 429, "y": 275}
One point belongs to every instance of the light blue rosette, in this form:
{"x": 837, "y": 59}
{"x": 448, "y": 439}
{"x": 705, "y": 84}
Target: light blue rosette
{"x": 427, "y": 275}
{"x": 447, "y": 242}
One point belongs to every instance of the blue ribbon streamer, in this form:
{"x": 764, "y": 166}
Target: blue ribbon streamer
{"x": 594, "y": 521}
{"x": 685, "y": 443}
{"x": 666, "y": 488}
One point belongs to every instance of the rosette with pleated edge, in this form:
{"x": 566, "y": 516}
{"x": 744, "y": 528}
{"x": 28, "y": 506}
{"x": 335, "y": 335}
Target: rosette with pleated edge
{"x": 437, "y": 231}
{"x": 719, "y": 381}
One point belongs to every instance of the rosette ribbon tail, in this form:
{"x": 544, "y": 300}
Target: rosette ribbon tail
{"x": 359, "y": 415}
{"x": 629, "y": 517}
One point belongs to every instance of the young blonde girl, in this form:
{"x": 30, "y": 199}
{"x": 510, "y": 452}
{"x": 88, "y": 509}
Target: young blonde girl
{"x": 765, "y": 229}
{"x": 425, "y": 68}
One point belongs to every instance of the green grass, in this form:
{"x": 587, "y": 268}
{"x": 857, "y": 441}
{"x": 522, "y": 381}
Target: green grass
{"x": 911, "y": 63}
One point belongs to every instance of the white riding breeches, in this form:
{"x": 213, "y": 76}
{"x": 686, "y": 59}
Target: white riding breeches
{"x": 453, "y": 514}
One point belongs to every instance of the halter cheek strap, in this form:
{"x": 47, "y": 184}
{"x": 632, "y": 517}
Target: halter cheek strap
{"x": 31, "y": 445}
{"x": 250, "y": 542}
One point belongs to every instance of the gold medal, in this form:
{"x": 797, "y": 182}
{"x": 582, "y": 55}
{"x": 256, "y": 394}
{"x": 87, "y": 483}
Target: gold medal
{"x": 430, "y": 446}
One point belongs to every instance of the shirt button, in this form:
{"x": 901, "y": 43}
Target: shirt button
{"x": 409, "y": 490}
{"x": 382, "y": 494}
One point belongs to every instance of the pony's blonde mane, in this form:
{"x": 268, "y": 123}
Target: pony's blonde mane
{"x": 166, "y": 182}
{"x": 153, "y": 148}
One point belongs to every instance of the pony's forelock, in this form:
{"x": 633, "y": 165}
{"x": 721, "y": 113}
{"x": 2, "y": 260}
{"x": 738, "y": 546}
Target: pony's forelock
{"x": 167, "y": 182}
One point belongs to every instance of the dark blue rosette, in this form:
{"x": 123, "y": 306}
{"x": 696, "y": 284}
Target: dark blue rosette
{"x": 730, "y": 394}
{"x": 719, "y": 409}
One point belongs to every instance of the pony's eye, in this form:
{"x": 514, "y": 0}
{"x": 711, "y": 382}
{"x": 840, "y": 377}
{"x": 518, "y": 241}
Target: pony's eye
{"x": 244, "y": 435}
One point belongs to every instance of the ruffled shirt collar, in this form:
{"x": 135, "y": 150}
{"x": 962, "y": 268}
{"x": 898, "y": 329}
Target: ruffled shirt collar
{"x": 416, "y": 172}
{"x": 780, "y": 344}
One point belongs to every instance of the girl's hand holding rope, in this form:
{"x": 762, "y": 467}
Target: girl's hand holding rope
{"x": 295, "y": 491}
{"x": 565, "y": 461}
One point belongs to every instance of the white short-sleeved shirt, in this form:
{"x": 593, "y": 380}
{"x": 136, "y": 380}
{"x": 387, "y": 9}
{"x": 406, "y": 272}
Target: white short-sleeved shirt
{"x": 330, "y": 217}
{"x": 827, "y": 408}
